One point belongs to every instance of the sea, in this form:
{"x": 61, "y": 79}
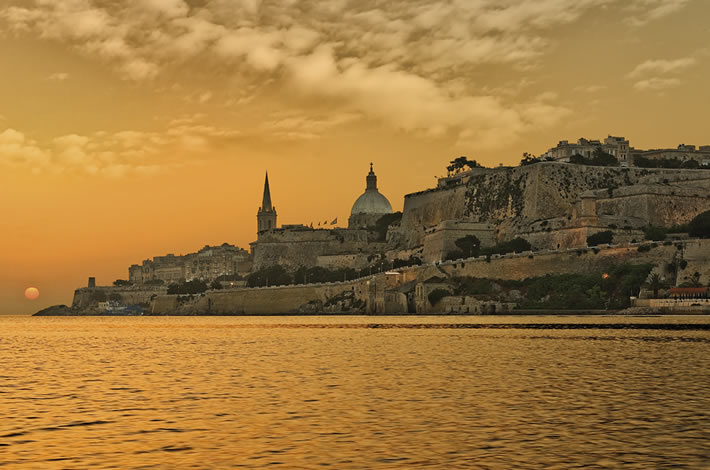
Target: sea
{"x": 355, "y": 392}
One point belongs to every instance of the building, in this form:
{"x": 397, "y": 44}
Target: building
{"x": 207, "y": 264}
{"x": 370, "y": 206}
{"x": 617, "y": 146}
{"x": 266, "y": 216}
{"x": 296, "y": 245}
{"x": 683, "y": 153}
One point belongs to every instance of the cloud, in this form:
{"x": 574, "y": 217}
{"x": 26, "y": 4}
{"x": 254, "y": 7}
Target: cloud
{"x": 398, "y": 62}
{"x": 115, "y": 154}
{"x": 656, "y": 84}
{"x": 18, "y": 150}
{"x": 294, "y": 125}
{"x": 662, "y": 66}
{"x": 58, "y": 77}
{"x": 645, "y": 11}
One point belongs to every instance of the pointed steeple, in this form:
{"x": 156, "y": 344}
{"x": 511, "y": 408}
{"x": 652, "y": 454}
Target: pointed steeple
{"x": 266, "y": 217}
{"x": 266, "y": 202}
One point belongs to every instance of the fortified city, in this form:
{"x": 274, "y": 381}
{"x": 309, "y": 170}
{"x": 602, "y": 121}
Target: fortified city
{"x": 591, "y": 226}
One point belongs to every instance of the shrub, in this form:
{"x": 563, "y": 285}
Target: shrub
{"x": 195, "y": 286}
{"x": 436, "y": 295}
{"x": 700, "y": 225}
{"x": 600, "y": 238}
{"x": 654, "y": 233}
{"x": 122, "y": 283}
{"x": 644, "y": 248}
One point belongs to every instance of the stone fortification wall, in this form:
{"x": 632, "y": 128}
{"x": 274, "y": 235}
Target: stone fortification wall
{"x": 658, "y": 205}
{"x": 295, "y": 248}
{"x": 381, "y": 295}
{"x": 521, "y": 266}
{"x": 427, "y": 209}
{"x": 260, "y": 301}
{"x": 513, "y": 198}
{"x": 85, "y": 297}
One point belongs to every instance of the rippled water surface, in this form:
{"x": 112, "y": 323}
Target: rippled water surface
{"x": 355, "y": 392}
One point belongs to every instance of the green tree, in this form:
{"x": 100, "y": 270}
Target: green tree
{"x": 700, "y": 225}
{"x": 196, "y": 286}
{"x": 695, "y": 280}
{"x": 655, "y": 283}
{"x": 470, "y": 245}
{"x": 600, "y": 238}
{"x": 271, "y": 276}
{"x": 122, "y": 283}
{"x": 655, "y": 234}
{"x": 529, "y": 159}
{"x": 216, "y": 285}
{"x": 459, "y": 164}
{"x": 436, "y": 295}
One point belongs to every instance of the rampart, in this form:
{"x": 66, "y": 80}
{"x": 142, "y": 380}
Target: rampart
{"x": 513, "y": 198}
{"x": 374, "y": 291}
{"x": 295, "y": 248}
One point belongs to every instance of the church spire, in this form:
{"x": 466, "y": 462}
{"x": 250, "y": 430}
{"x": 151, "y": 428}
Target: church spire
{"x": 266, "y": 217}
{"x": 266, "y": 202}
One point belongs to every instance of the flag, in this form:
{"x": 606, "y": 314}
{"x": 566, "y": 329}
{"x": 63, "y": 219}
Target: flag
{"x": 335, "y": 221}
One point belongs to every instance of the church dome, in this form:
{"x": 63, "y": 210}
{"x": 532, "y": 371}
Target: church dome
{"x": 369, "y": 207}
{"x": 371, "y": 202}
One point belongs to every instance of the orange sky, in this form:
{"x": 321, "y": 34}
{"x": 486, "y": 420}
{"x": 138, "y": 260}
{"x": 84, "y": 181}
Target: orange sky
{"x": 130, "y": 129}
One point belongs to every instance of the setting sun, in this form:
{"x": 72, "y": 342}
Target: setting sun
{"x": 31, "y": 293}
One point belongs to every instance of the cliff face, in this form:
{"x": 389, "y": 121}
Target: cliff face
{"x": 513, "y": 198}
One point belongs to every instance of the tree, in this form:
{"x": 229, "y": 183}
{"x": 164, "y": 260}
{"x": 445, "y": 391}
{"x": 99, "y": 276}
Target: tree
{"x": 655, "y": 234}
{"x": 216, "y": 285}
{"x": 655, "y": 283}
{"x": 600, "y": 238}
{"x": 196, "y": 286}
{"x": 695, "y": 280}
{"x": 122, "y": 283}
{"x": 700, "y": 225}
{"x": 272, "y": 276}
{"x": 436, "y": 295}
{"x": 458, "y": 165}
{"x": 529, "y": 159}
{"x": 470, "y": 245}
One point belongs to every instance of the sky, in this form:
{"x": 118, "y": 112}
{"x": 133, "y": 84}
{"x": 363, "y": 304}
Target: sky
{"x": 136, "y": 128}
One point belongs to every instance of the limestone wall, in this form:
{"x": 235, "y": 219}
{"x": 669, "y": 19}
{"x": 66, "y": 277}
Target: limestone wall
{"x": 514, "y": 198}
{"x": 428, "y": 209}
{"x": 259, "y": 301}
{"x": 295, "y": 248}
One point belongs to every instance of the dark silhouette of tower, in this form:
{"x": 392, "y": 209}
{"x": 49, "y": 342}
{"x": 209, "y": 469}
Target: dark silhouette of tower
{"x": 266, "y": 217}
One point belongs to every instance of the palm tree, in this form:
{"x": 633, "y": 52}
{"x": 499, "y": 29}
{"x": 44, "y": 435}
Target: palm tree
{"x": 695, "y": 280}
{"x": 655, "y": 283}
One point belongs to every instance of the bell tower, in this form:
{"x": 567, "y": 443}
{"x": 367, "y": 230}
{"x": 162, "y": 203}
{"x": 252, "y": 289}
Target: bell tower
{"x": 266, "y": 217}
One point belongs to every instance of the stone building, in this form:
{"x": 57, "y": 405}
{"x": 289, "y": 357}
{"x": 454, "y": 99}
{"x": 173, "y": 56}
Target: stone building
{"x": 617, "y": 146}
{"x": 266, "y": 216}
{"x": 370, "y": 206}
{"x": 682, "y": 153}
{"x": 207, "y": 264}
{"x": 293, "y": 246}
